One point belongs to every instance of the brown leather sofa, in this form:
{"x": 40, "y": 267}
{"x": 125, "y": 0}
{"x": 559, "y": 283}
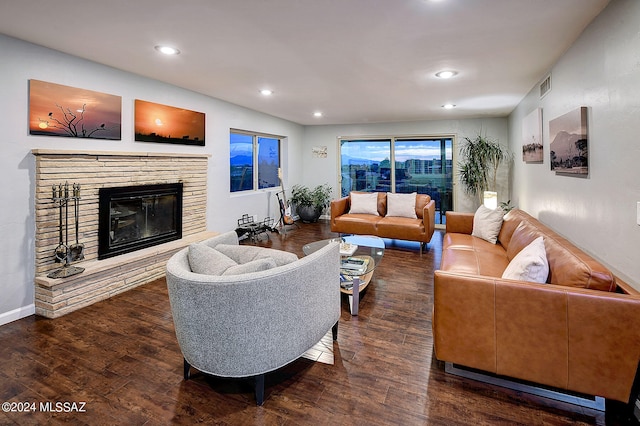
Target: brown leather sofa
{"x": 578, "y": 332}
{"x": 400, "y": 228}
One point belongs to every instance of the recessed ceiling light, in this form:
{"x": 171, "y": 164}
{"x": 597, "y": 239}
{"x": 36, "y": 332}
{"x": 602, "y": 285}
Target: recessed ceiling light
{"x": 317, "y": 114}
{"x": 446, "y": 74}
{"x": 266, "y": 92}
{"x": 167, "y": 50}
{"x": 448, "y": 106}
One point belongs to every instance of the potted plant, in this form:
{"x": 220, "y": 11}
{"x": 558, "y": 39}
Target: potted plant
{"x": 478, "y": 171}
{"x": 309, "y": 202}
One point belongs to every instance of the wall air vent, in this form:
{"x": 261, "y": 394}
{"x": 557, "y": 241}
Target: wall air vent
{"x": 545, "y": 86}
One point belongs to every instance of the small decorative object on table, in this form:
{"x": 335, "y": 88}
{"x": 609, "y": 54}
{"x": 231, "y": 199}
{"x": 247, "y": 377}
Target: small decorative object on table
{"x": 347, "y": 249}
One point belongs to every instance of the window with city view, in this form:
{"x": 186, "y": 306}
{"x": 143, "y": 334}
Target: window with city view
{"x": 402, "y": 165}
{"x": 254, "y": 161}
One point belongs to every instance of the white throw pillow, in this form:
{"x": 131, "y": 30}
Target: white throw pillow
{"x": 530, "y": 264}
{"x": 206, "y": 260}
{"x": 366, "y": 203}
{"x": 402, "y": 205}
{"x": 487, "y": 223}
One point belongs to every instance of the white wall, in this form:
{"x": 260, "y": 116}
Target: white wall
{"x": 23, "y": 61}
{"x": 602, "y": 72}
{"x": 324, "y": 170}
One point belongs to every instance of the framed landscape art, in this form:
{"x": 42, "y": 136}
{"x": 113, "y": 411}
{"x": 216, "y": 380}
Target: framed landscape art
{"x": 167, "y": 124}
{"x": 532, "y": 149}
{"x": 569, "y": 147}
{"x": 57, "y": 110}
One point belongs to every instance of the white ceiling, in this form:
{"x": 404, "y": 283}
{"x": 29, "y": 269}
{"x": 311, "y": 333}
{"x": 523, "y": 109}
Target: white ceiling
{"x": 357, "y": 61}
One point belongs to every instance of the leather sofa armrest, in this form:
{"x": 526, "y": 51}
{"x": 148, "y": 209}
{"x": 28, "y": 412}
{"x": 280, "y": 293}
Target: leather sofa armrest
{"x": 429, "y": 217}
{"x": 339, "y": 207}
{"x": 459, "y": 222}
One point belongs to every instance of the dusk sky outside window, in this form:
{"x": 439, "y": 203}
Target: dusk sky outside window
{"x": 253, "y": 161}
{"x": 402, "y": 165}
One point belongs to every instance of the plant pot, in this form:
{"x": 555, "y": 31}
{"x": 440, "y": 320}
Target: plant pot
{"x": 308, "y": 214}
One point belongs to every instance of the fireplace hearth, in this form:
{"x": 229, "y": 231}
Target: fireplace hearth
{"x": 135, "y": 217}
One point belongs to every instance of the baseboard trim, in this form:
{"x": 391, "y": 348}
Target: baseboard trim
{"x": 16, "y": 314}
{"x": 597, "y": 403}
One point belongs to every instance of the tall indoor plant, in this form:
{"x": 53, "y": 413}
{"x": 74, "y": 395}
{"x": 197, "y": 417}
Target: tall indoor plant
{"x": 309, "y": 202}
{"x": 479, "y": 168}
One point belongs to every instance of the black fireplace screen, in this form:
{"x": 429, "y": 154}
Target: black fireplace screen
{"x": 136, "y": 217}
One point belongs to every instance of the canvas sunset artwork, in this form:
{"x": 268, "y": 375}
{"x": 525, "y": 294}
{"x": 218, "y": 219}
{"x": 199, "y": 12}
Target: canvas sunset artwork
{"x": 167, "y": 124}
{"x": 58, "y": 110}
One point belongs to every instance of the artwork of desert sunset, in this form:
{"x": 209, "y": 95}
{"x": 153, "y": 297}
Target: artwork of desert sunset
{"x": 57, "y": 110}
{"x": 167, "y": 124}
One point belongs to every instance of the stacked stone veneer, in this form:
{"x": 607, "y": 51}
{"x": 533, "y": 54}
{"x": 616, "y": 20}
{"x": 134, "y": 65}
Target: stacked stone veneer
{"x": 94, "y": 170}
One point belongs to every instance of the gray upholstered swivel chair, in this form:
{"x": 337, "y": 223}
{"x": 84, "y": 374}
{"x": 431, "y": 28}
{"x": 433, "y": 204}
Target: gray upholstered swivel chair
{"x": 249, "y": 324}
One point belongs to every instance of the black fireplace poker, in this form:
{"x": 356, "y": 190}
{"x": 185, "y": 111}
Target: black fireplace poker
{"x": 64, "y": 252}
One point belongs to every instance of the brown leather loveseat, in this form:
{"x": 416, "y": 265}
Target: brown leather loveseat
{"x": 578, "y": 332}
{"x": 401, "y": 228}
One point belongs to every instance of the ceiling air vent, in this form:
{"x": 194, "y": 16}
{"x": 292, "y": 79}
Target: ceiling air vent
{"x": 545, "y": 86}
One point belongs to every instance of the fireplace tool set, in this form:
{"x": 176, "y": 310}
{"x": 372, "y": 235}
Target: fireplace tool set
{"x": 67, "y": 253}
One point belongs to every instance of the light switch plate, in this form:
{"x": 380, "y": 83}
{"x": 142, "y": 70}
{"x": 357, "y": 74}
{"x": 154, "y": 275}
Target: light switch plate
{"x": 638, "y": 213}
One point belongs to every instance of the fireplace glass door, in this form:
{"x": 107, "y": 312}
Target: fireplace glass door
{"x": 132, "y": 218}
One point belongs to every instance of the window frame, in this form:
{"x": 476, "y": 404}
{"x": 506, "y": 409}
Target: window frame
{"x": 391, "y": 140}
{"x": 255, "y": 155}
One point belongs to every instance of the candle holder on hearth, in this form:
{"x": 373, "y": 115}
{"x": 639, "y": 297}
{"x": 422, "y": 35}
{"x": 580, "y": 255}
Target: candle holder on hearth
{"x": 65, "y": 253}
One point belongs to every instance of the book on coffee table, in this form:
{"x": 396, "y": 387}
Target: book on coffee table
{"x": 354, "y": 264}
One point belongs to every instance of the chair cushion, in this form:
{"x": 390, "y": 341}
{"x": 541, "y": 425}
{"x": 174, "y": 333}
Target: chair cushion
{"x": 245, "y": 253}
{"x": 402, "y": 205}
{"x": 530, "y": 264}
{"x": 365, "y": 203}
{"x": 487, "y": 223}
{"x": 209, "y": 261}
{"x": 253, "y": 266}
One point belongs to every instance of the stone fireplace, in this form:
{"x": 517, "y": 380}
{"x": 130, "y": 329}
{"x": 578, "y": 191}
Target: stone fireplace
{"x": 106, "y": 275}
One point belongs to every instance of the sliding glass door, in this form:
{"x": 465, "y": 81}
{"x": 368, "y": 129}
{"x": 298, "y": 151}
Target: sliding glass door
{"x": 402, "y": 165}
{"x": 365, "y": 165}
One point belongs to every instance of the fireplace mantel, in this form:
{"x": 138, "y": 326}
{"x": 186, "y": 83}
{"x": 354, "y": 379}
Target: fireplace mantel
{"x": 75, "y": 153}
{"x": 94, "y": 170}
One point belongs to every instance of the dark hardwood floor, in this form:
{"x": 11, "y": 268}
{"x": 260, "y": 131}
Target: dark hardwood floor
{"x": 120, "y": 357}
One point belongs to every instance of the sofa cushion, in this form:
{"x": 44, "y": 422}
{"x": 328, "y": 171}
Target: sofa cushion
{"x": 523, "y": 235}
{"x": 487, "y": 223}
{"x": 245, "y": 254}
{"x": 364, "y": 203}
{"x": 465, "y": 254}
{"x": 401, "y": 228}
{"x": 489, "y": 263}
{"x": 206, "y": 260}
{"x": 401, "y": 205}
{"x": 530, "y": 264}
{"x": 568, "y": 265}
{"x": 253, "y": 266}
{"x": 510, "y": 222}
{"x": 362, "y": 224}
